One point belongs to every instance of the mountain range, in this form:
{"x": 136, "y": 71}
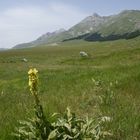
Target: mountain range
{"x": 124, "y": 25}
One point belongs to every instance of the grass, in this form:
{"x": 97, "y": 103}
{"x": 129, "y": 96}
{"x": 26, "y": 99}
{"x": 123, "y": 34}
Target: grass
{"x": 66, "y": 80}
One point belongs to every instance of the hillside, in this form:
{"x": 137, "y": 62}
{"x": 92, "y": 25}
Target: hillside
{"x": 124, "y": 25}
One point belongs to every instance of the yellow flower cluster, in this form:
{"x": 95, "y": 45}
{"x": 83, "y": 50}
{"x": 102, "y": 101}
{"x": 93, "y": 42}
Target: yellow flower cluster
{"x": 33, "y": 80}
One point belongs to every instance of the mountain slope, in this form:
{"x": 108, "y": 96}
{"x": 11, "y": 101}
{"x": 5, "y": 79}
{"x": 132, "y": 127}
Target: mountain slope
{"x": 44, "y": 39}
{"x": 125, "y": 22}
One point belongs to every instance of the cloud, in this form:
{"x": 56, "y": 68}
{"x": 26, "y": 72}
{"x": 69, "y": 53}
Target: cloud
{"x": 23, "y": 24}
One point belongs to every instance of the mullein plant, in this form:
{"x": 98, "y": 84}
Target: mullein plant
{"x": 39, "y": 127}
{"x": 65, "y": 127}
{"x": 43, "y": 126}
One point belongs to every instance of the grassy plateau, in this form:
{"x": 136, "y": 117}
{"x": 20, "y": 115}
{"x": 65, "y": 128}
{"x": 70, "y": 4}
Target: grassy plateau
{"x": 107, "y": 83}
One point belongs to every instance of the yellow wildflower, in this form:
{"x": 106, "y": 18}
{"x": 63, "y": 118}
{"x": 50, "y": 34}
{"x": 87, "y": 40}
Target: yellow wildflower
{"x": 33, "y": 71}
{"x": 33, "y": 80}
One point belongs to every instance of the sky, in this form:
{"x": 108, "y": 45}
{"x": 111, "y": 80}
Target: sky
{"x": 25, "y": 20}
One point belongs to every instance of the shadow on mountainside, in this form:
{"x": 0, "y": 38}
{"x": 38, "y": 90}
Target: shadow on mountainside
{"x": 99, "y": 37}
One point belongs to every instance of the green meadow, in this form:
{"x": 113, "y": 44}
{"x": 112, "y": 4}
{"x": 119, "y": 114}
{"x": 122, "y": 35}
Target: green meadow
{"x": 107, "y": 83}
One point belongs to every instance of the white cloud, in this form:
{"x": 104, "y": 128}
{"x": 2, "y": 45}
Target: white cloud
{"x": 23, "y": 24}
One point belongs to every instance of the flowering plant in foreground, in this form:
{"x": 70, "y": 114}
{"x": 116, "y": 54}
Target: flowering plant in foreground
{"x": 66, "y": 127}
{"x": 37, "y": 128}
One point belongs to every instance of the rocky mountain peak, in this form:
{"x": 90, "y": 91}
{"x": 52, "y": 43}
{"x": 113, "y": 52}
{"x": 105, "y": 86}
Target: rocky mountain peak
{"x": 96, "y": 15}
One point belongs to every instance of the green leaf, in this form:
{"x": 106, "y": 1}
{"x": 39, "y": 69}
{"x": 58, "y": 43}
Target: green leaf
{"x": 52, "y": 135}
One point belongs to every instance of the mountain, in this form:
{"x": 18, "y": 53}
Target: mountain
{"x": 95, "y": 28}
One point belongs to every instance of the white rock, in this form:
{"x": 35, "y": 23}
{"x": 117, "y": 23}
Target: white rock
{"x": 83, "y": 54}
